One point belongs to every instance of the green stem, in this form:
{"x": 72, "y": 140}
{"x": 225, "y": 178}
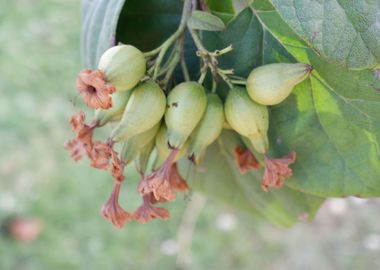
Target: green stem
{"x": 239, "y": 82}
{"x": 184, "y": 68}
{"x": 198, "y": 43}
{"x": 162, "y": 49}
{"x": 202, "y": 77}
{"x": 214, "y": 86}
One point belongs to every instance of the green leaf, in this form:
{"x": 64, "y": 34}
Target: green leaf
{"x": 224, "y": 6}
{"x": 219, "y": 178}
{"x": 225, "y": 17}
{"x": 331, "y": 120}
{"x": 99, "y": 19}
{"x": 201, "y": 20}
{"x": 344, "y": 32}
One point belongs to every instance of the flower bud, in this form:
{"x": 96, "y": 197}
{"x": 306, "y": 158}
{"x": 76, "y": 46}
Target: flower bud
{"x": 132, "y": 146}
{"x": 186, "y": 104}
{"x": 271, "y": 84}
{"x": 119, "y": 101}
{"x": 247, "y": 118}
{"x": 208, "y": 129}
{"x": 163, "y": 149}
{"x": 123, "y": 66}
{"x": 144, "y": 109}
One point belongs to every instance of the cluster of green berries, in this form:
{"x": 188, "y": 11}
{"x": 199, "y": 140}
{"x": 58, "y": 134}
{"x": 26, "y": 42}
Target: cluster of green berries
{"x": 169, "y": 125}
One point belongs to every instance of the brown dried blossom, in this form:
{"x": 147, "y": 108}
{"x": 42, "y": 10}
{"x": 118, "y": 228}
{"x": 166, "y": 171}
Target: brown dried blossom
{"x": 245, "y": 160}
{"x": 94, "y": 90}
{"x": 147, "y": 212}
{"x": 82, "y": 144}
{"x": 117, "y": 167}
{"x": 112, "y": 210}
{"x": 177, "y": 183}
{"x": 158, "y": 182}
{"x": 276, "y": 170}
{"x": 100, "y": 155}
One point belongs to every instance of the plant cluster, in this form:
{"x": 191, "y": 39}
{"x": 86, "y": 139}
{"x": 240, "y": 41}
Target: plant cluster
{"x": 165, "y": 121}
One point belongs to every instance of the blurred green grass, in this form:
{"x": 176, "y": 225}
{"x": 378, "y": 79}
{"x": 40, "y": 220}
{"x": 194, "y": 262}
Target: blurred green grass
{"x": 39, "y": 59}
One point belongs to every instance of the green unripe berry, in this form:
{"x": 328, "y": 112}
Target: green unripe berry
{"x": 163, "y": 149}
{"x": 247, "y": 118}
{"x": 186, "y": 104}
{"x": 123, "y": 66}
{"x": 119, "y": 101}
{"x": 271, "y": 84}
{"x": 208, "y": 129}
{"x": 132, "y": 146}
{"x": 143, "y": 156}
{"x": 144, "y": 109}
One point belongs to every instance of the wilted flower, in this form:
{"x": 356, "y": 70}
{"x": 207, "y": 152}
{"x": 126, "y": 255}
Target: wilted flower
{"x": 245, "y": 160}
{"x": 159, "y": 181}
{"x": 276, "y": 170}
{"x": 94, "y": 90}
{"x": 82, "y": 144}
{"x": 112, "y": 210}
{"x": 147, "y": 211}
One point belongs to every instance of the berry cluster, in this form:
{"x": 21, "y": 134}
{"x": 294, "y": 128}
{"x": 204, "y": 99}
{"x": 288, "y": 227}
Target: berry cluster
{"x": 169, "y": 125}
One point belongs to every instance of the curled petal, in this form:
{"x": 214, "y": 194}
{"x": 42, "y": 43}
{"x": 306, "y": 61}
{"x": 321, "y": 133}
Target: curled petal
{"x": 276, "y": 170}
{"x": 77, "y": 121}
{"x": 94, "y": 90}
{"x": 245, "y": 160}
{"x": 153, "y": 200}
{"x": 147, "y": 212}
{"x": 100, "y": 155}
{"x": 82, "y": 144}
{"x": 76, "y": 148}
{"x": 177, "y": 183}
{"x": 112, "y": 210}
{"x": 117, "y": 168}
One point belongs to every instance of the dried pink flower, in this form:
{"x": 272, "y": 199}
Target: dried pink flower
{"x": 112, "y": 210}
{"x": 276, "y": 170}
{"x": 94, "y": 90}
{"x": 245, "y": 160}
{"x": 147, "y": 212}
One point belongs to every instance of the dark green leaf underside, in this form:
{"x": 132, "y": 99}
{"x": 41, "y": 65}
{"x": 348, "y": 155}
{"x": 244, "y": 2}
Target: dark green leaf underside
{"x": 99, "y": 20}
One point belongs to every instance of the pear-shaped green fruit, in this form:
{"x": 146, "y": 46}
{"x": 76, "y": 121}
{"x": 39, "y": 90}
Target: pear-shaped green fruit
{"x": 271, "y": 84}
{"x": 186, "y": 104}
{"x": 132, "y": 146}
{"x": 247, "y": 118}
{"x": 164, "y": 150}
{"x": 123, "y": 65}
{"x": 143, "y": 157}
{"x": 208, "y": 129}
{"x": 144, "y": 109}
{"x": 119, "y": 101}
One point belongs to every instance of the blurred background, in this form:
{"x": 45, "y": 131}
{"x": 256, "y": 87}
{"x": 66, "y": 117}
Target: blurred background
{"x": 49, "y": 206}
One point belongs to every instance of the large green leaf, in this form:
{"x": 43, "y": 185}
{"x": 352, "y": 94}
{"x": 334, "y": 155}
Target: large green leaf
{"x": 346, "y": 32}
{"x": 219, "y": 178}
{"x": 99, "y": 20}
{"x": 332, "y": 120}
